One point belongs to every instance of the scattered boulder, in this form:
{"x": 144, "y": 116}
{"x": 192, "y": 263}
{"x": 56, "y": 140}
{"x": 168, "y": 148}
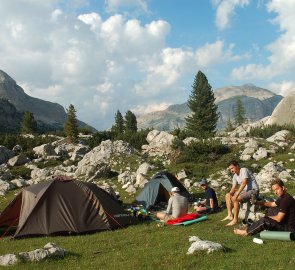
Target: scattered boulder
{"x": 181, "y": 175}
{"x": 17, "y": 149}
{"x": 279, "y": 137}
{"x": 18, "y": 160}
{"x": 198, "y": 244}
{"x": 49, "y": 250}
{"x": 5, "y": 154}
{"x": 4, "y": 187}
{"x": 260, "y": 154}
{"x": 8, "y": 259}
{"x": 126, "y": 177}
{"x": 159, "y": 143}
{"x": 19, "y": 182}
{"x": 144, "y": 168}
{"x": 141, "y": 181}
{"x": 101, "y": 154}
{"x": 131, "y": 189}
{"x": 44, "y": 150}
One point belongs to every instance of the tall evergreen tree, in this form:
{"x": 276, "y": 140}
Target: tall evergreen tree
{"x": 28, "y": 123}
{"x": 71, "y": 125}
{"x": 239, "y": 113}
{"x": 229, "y": 125}
{"x": 202, "y": 122}
{"x": 130, "y": 122}
{"x": 118, "y": 127}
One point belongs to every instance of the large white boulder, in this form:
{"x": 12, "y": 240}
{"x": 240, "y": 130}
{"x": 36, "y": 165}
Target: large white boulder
{"x": 284, "y": 113}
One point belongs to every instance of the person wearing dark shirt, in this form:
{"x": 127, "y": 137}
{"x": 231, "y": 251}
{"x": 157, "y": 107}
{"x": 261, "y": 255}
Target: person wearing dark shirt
{"x": 281, "y": 215}
{"x": 210, "y": 204}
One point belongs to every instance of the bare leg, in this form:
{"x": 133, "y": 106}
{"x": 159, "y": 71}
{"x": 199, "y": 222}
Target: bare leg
{"x": 236, "y": 212}
{"x": 240, "y": 232}
{"x": 229, "y": 207}
{"x": 161, "y": 215}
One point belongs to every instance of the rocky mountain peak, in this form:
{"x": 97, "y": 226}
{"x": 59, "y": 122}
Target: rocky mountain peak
{"x": 249, "y": 90}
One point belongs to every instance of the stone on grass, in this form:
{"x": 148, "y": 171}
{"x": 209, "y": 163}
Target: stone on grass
{"x": 8, "y": 259}
{"x": 199, "y": 244}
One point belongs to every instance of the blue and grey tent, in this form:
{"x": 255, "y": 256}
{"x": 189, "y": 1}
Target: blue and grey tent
{"x": 157, "y": 190}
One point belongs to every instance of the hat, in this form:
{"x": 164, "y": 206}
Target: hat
{"x": 175, "y": 189}
{"x": 203, "y": 182}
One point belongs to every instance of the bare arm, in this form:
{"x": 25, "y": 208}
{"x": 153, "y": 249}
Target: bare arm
{"x": 211, "y": 203}
{"x": 232, "y": 190}
{"x": 279, "y": 217}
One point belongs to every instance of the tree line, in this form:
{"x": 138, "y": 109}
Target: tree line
{"x": 201, "y": 123}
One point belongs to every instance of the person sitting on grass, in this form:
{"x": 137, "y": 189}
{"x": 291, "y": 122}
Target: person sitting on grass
{"x": 247, "y": 188}
{"x": 281, "y": 214}
{"x": 210, "y": 204}
{"x": 177, "y": 206}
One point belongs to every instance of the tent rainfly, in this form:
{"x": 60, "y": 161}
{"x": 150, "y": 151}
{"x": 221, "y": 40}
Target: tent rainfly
{"x": 158, "y": 189}
{"x": 63, "y": 206}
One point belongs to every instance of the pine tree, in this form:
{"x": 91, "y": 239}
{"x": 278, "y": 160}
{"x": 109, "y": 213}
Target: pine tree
{"x": 239, "y": 113}
{"x": 130, "y": 122}
{"x": 71, "y": 126}
{"x": 28, "y": 123}
{"x": 229, "y": 125}
{"x": 202, "y": 122}
{"x": 118, "y": 127}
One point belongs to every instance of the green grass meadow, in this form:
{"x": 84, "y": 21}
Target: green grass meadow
{"x": 147, "y": 246}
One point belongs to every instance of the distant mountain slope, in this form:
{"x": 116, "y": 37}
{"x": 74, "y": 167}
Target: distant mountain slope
{"x": 258, "y": 103}
{"x": 46, "y": 112}
{"x": 10, "y": 117}
{"x": 249, "y": 90}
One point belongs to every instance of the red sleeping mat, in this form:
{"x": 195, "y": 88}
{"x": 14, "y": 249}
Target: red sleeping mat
{"x": 187, "y": 217}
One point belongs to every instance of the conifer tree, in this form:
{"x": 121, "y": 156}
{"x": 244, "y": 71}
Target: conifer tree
{"x": 202, "y": 122}
{"x": 28, "y": 123}
{"x": 118, "y": 127}
{"x": 239, "y": 113}
{"x": 229, "y": 125}
{"x": 130, "y": 122}
{"x": 71, "y": 125}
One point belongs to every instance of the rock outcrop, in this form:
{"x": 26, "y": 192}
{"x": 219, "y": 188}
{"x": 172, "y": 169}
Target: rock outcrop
{"x": 284, "y": 113}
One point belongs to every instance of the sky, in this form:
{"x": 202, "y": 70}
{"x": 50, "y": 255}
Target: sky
{"x": 143, "y": 55}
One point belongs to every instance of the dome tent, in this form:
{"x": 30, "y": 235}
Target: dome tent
{"x": 62, "y": 206}
{"x": 158, "y": 189}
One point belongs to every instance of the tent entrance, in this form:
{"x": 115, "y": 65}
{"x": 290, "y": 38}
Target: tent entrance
{"x": 163, "y": 196}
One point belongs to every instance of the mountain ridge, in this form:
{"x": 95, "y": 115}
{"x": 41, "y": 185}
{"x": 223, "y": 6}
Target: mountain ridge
{"x": 50, "y": 114}
{"x": 258, "y": 103}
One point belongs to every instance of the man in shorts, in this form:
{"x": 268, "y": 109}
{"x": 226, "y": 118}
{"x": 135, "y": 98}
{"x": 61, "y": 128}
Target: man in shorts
{"x": 281, "y": 214}
{"x": 177, "y": 206}
{"x": 247, "y": 187}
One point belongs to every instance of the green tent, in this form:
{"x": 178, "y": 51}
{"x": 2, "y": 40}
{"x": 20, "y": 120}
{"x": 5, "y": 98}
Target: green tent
{"x": 157, "y": 190}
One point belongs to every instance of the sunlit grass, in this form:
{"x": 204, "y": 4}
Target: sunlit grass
{"x": 146, "y": 246}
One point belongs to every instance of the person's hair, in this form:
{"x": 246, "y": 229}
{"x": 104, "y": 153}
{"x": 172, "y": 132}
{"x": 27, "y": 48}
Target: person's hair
{"x": 233, "y": 162}
{"x": 278, "y": 182}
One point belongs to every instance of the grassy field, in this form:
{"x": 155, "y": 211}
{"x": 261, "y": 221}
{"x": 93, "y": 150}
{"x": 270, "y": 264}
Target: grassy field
{"x": 146, "y": 246}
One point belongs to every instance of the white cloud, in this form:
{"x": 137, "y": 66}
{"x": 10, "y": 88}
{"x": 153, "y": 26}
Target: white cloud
{"x": 282, "y": 50}
{"x": 282, "y": 88}
{"x": 98, "y": 65}
{"x": 118, "y": 5}
{"x": 141, "y": 109}
{"x": 225, "y": 9}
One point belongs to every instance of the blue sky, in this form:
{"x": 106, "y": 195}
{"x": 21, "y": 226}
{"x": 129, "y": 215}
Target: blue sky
{"x": 142, "y": 55}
